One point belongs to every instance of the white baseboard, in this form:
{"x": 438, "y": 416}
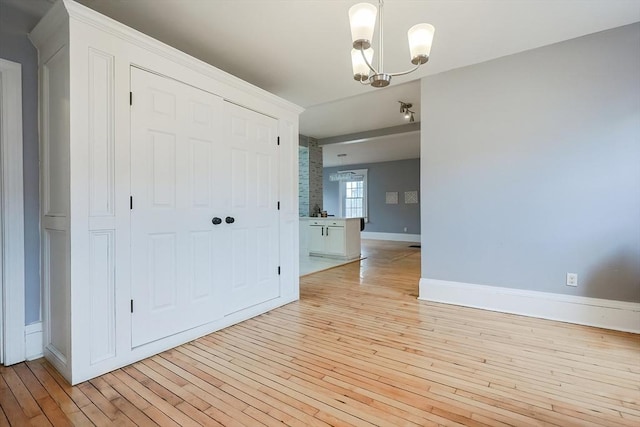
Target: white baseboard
{"x": 601, "y": 313}
{"x": 33, "y": 341}
{"x": 396, "y": 237}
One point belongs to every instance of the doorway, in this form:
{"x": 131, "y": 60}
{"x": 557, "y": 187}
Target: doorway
{"x": 12, "y": 308}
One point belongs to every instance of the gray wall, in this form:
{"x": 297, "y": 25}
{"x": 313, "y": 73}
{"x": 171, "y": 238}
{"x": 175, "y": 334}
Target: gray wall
{"x": 531, "y": 169}
{"x": 400, "y": 176}
{"x": 16, "y": 47}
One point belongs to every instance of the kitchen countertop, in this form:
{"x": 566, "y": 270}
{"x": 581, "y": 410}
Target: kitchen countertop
{"x": 329, "y": 217}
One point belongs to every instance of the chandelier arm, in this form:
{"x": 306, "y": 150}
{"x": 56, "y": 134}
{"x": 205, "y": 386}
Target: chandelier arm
{"x": 405, "y": 72}
{"x": 368, "y": 82}
{"x": 367, "y": 61}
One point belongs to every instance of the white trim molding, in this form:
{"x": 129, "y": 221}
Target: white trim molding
{"x": 396, "y": 237}
{"x": 12, "y": 216}
{"x": 601, "y": 313}
{"x": 34, "y": 341}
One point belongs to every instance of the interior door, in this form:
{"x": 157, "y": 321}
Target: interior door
{"x": 177, "y": 164}
{"x": 252, "y": 198}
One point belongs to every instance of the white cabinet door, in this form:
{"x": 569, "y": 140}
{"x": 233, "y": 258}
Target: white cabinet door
{"x": 251, "y": 198}
{"x": 316, "y": 238}
{"x": 334, "y": 240}
{"x": 177, "y": 163}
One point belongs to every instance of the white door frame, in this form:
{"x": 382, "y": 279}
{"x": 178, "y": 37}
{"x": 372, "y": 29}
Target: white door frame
{"x": 12, "y": 309}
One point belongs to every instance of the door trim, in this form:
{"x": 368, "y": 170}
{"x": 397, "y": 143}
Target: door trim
{"x": 12, "y": 215}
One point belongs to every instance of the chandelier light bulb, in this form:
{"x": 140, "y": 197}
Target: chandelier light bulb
{"x": 360, "y": 67}
{"x": 420, "y": 39}
{"x": 407, "y": 114}
{"x": 362, "y": 18}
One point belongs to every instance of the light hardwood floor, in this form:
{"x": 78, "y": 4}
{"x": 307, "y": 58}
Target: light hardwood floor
{"x": 357, "y": 349}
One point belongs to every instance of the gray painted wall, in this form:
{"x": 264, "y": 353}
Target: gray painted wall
{"x": 531, "y": 169}
{"x": 400, "y": 176}
{"x": 16, "y": 47}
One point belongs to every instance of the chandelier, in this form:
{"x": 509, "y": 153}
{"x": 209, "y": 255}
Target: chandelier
{"x": 362, "y": 18}
{"x": 344, "y": 175}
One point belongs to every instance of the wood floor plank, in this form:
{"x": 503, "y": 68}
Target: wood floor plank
{"x": 92, "y": 405}
{"x": 10, "y": 406}
{"x": 319, "y": 375}
{"x": 60, "y": 397}
{"x": 3, "y": 418}
{"x": 133, "y": 413}
{"x": 258, "y": 405}
{"x": 4, "y": 422}
{"x": 205, "y": 370}
{"x": 57, "y": 417}
{"x": 156, "y": 401}
{"x": 358, "y": 349}
{"x": 26, "y": 401}
{"x": 40, "y": 421}
{"x": 273, "y": 397}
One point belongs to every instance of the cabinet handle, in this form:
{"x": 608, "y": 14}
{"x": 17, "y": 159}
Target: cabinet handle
{"x": 327, "y": 231}
{"x": 229, "y": 220}
{"x": 216, "y": 221}
{"x": 322, "y": 231}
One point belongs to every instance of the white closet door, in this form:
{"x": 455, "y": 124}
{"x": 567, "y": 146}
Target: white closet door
{"x": 252, "y": 195}
{"x": 178, "y": 164}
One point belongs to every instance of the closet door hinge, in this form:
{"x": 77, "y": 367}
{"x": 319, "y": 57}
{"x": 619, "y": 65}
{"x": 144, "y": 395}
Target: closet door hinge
{"x": 130, "y": 202}
{"x": 130, "y": 98}
{"x": 278, "y": 270}
{"x": 278, "y": 140}
{"x": 132, "y": 306}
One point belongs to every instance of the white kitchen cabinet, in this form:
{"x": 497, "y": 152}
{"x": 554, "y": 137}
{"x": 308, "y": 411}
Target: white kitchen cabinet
{"x": 335, "y": 242}
{"x": 142, "y": 148}
{"x": 334, "y": 237}
{"x": 316, "y": 239}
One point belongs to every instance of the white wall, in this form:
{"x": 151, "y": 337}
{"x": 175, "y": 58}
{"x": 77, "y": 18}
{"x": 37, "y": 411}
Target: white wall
{"x": 531, "y": 169}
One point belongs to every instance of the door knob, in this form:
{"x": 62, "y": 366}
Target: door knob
{"x": 229, "y": 220}
{"x": 216, "y": 221}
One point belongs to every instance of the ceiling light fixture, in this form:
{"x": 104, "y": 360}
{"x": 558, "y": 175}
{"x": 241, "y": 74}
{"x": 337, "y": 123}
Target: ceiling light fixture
{"x": 408, "y": 114}
{"x": 342, "y": 175}
{"x": 362, "y": 18}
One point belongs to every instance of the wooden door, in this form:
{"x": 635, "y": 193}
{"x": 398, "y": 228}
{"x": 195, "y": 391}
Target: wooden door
{"x": 178, "y": 163}
{"x": 251, "y": 195}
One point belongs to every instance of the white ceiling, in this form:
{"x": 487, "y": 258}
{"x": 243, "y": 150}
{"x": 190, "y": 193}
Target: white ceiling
{"x": 379, "y": 149}
{"x": 300, "y": 49}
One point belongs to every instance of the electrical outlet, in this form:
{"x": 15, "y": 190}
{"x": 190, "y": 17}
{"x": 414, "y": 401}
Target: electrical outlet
{"x": 405, "y": 229}
{"x": 572, "y": 279}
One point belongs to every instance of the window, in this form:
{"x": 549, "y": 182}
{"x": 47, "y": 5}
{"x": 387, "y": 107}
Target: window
{"x": 353, "y": 195}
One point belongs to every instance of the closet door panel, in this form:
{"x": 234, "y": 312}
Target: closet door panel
{"x": 253, "y": 192}
{"x": 176, "y": 279}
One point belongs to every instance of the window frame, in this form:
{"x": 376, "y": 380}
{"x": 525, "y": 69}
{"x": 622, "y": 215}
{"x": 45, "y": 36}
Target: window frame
{"x": 365, "y": 188}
